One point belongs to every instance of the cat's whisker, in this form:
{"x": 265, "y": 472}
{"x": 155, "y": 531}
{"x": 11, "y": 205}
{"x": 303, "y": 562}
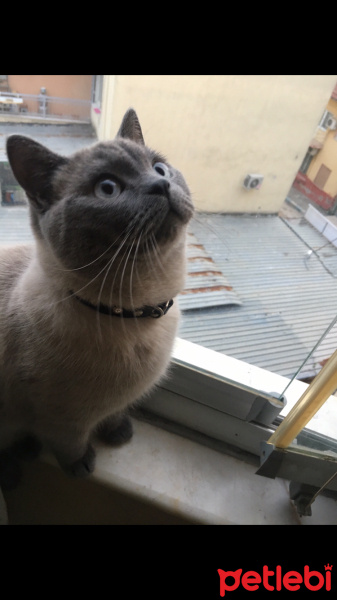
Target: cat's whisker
{"x": 84, "y": 286}
{"x": 73, "y": 294}
{"x": 106, "y": 267}
{"x": 156, "y": 253}
{"x": 122, "y": 279}
{"x": 116, "y": 272}
{"x": 105, "y": 278}
{"x": 98, "y": 257}
{"x": 134, "y": 269}
{"x": 99, "y": 329}
{"x": 96, "y": 276}
{"x": 149, "y": 259}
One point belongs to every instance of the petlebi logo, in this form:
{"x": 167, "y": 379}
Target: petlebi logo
{"x": 275, "y": 580}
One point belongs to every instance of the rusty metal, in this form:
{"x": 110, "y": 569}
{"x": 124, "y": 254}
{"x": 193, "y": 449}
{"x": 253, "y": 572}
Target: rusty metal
{"x": 206, "y": 285}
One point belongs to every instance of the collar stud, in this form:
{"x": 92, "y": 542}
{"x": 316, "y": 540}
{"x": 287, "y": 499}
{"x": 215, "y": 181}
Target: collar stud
{"x": 117, "y": 311}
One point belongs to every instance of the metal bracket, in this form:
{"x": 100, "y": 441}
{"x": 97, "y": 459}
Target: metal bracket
{"x": 265, "y": 409}
{"x": 309, "y": 473}
{"x": 303, "y": 496}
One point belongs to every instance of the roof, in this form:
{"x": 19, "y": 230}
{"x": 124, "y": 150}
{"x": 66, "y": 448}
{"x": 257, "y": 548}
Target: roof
{"x": 288, "y": 297}
{"x": 206, "y": 285}
{"x": 63, "y": 139}
{"x": 261, "y": 296}
{"x": 14, "y": 226}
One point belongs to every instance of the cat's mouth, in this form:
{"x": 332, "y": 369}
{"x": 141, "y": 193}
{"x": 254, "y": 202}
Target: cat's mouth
{"x": 164, "y": 216}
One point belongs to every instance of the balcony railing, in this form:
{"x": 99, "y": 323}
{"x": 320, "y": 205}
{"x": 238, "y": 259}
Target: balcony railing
{"x": 45, "y": 107}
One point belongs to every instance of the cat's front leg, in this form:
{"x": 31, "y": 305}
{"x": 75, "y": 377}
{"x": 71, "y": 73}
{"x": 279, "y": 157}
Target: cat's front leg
{"x": 115, "y": 429}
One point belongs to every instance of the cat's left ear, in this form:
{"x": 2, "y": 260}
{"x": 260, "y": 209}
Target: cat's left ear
{"x": 33, "y": 166}
{"x": 130, "y": 127}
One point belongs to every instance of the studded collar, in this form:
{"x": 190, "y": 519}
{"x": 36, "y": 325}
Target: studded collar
{"x": 116, "y": 311}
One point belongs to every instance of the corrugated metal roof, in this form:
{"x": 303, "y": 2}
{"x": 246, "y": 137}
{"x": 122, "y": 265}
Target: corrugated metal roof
{"x": 275, "y": 301}
{"x": 14, "y": 225}
{"x": 288, "y": 299}
{"x": 63, "y": 139}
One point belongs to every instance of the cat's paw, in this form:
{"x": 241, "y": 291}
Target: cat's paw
{"x": 84, "y": 466}
{"x": 115, "y": 433}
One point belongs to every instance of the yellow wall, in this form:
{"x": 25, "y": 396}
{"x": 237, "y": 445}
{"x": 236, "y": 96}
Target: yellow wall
{"x": 218, "y": 128}
{"x": 327, "y": 156}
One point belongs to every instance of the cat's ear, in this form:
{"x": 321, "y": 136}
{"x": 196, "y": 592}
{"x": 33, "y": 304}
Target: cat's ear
{"x": 33, "y": 166}
{"x": 130, "y": 127}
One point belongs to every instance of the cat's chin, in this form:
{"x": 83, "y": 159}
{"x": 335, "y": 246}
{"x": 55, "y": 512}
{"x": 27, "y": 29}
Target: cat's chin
{"x": 173, "y": 225}
{"x": 168, "y": 224}
{"x": 181, "y": 210}
{"x": 168, "y": 231}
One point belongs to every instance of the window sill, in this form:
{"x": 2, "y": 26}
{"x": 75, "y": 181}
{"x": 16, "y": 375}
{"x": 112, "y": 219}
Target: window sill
{"x": 158, "y": 478}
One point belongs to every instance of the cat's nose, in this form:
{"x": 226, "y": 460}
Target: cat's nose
{"x": 160, "y": 187}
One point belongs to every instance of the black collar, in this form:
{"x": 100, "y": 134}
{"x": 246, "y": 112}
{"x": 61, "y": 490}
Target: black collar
{"x": 115, "y": 311}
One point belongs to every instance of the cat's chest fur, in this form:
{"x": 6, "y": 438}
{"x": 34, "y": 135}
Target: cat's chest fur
{"x": 56, "y": 350}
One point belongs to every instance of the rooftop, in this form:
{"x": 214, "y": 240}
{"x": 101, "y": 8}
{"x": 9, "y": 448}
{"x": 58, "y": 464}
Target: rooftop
{"x": 287, "y": 295}
{"x": 64, "y": 139}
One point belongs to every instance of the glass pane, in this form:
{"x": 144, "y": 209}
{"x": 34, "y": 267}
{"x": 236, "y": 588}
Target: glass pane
{"x": 320, "y": 432}
{"x": 261, "y": 285}
{"x": 275, "y": 299}
{"x": 262, "y": 258}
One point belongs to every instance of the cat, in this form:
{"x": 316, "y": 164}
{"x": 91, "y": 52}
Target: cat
{"x": 88, "y": 314}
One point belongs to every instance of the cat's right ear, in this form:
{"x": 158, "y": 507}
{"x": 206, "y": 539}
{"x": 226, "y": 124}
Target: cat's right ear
{"x": 33, "y": 166}
{"x": 130, "y": 127}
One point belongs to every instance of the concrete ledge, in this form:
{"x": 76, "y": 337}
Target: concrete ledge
{"x": 157, "y": 478}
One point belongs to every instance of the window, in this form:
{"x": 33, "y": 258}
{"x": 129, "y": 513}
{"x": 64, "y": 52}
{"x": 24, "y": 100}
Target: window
{"x": 271, "y": 314}
{"x": 259, "y": 313}
{"x": 97, "y": 88}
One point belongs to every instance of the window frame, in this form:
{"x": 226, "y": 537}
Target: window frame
{"x": 236, "y": 407}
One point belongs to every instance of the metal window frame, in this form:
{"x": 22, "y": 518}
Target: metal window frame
{"x": 229, "y": 404}
{"x": 218, "y": 396}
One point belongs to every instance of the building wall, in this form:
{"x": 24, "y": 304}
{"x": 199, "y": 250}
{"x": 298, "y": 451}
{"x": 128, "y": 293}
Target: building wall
{"x": 218, "y": 128}
{"x": 327, "y": 156}
{"x": 63, "y": 86}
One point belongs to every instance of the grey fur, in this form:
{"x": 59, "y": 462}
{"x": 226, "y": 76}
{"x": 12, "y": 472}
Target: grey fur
{"x": 66, "y": 371}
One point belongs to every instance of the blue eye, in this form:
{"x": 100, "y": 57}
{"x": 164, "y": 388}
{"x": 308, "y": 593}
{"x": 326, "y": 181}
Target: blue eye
{"x": 107, "y": 189}
{"x": 162, "y": 169}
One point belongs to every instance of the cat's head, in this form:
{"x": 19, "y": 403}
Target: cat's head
{"x": 113, "y": 191}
